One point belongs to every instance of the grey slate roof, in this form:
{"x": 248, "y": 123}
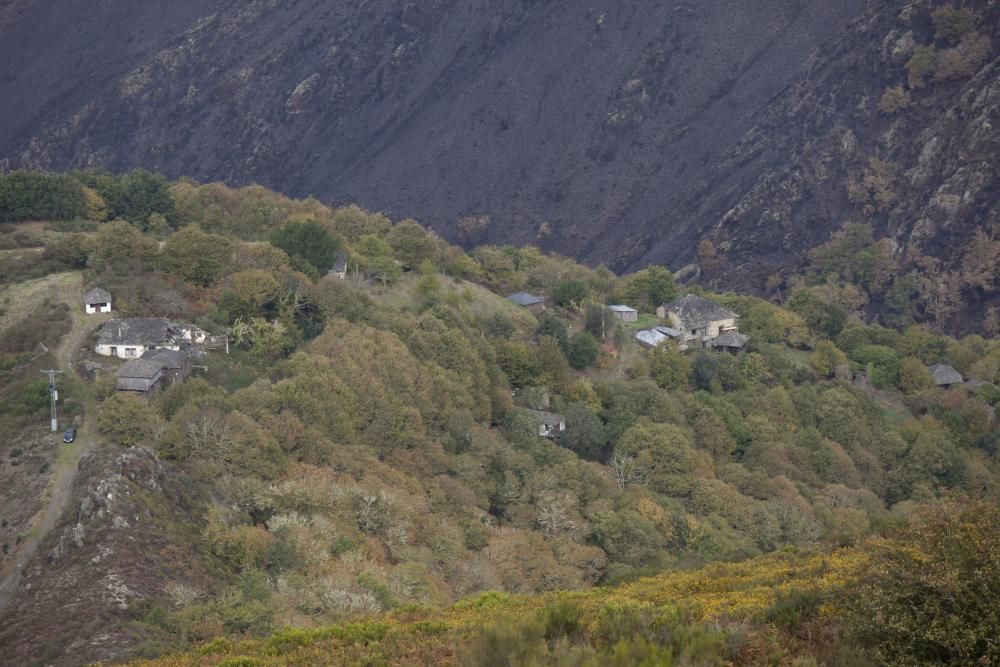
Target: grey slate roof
{"x": 622, "y": 309}
{"x": 696, "y": 312}
{"x": 730, "y": 339}
{"x": 547, "y": 418}
{"x": 97, "y": 295}
{"x": 145, "y": 369}
{"x": 171, "y": 359}
{"x": 525, "y": 299}
{"x": 340, "y": 265}
{"x": 136, "y": 331}
{"x": 668, "y": 331}
{"x": 945, "y": 375}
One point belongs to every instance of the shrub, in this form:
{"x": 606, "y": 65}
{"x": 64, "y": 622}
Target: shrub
{"x": 583, "y": 350}
{"x": 32, "y": 195}
{"x": 952, "y": 24}
{"x": 893, "y": 100}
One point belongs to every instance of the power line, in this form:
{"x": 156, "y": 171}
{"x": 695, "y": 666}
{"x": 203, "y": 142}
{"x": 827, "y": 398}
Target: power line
{"x": 53, "y": 396}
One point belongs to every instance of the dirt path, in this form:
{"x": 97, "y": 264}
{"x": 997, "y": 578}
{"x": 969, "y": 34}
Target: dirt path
{"x": 67, "y": 463}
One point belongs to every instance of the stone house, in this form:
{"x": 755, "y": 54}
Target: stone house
{"x": 175, "y": 365}
{"x": 945, "y": 375}
{"x": 339, "y": 270}
{"x": 535, "y": 304}
{"x": 97, "y": 301}
{"x": 624, "y": 313}
{"x": 699, "y": 320}
{"x": 549, "y": 423}
{"x": 130, "y": 338}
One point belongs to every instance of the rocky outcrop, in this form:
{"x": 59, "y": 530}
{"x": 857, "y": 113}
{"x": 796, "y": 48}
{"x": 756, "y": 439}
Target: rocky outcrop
{"x": 117, "y": 548}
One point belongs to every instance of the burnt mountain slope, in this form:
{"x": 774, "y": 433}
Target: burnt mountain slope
{"x": 621, "y": 132}
{"x": 587, "y": 116}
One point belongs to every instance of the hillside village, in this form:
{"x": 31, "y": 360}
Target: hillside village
{"x": 292, "y": 415}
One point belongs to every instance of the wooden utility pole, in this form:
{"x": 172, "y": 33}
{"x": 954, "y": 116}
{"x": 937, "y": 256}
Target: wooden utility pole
{"x": 53, "y": 396}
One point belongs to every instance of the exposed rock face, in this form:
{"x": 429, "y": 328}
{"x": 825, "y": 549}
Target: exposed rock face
{"x": 111, "y": 553}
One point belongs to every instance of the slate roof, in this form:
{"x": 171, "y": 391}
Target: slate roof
{"x": 622, "y": 309}
{"x": 945, "y": 375}
{"x": 525, "y": 299}
{"x": 696, "y": 312}
{"x": 97, "y": 295}
{"x": 340, "y": 265}
{"x": 171, "y": 359}
{"x": 145, "y": 369}
{"x": 136, "y": 331}
{"x": 650, "y": 337}
{"x": 547, "y": 418}
{"x": 668, "y": 331}
{"x": 730, "y": 339}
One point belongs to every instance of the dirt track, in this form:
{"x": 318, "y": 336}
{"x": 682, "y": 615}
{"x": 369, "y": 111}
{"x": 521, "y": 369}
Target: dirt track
{"x": 67, "y": 463}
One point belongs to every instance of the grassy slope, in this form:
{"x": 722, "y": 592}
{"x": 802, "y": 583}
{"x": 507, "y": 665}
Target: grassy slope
{"x": 722, "y": 591}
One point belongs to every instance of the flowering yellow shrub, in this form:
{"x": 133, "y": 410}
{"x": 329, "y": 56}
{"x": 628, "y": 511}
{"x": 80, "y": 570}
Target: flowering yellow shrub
{"x": 738, "y": 591}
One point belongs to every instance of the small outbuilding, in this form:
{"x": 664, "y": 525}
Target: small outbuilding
{"x": 653, "y": 337}
{"x": 97, "y": 301}
{"x": 549, "y": 423}
{"x": 945, "y": 376}
{"x": 624, "y": 313}
{"x": 730, "y": 341}
{"x": 535, "y": 304}
{"x": 142, "y": 376}
{"x": 175, "y": 365}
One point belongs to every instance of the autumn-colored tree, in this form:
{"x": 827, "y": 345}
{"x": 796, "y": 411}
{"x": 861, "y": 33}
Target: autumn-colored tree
{"x": 826, "y": 358}
{"x": 914, "y": 376}
{"x": 129, "y": 419}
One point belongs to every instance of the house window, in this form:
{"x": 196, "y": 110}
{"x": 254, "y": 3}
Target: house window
{"x": 129, "y": 351}
{"x": 150, "y": 347}
{"x": 694, "y": 332}
{"x": 114, "y": 350}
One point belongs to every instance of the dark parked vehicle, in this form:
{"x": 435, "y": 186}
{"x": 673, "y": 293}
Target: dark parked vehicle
{"x": 69, "y": 435}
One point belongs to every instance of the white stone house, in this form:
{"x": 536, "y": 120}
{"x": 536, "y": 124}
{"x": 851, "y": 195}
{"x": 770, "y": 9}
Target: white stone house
{"x": 699, "y": 320}
{"x": 130, "y": 338}
{"x": 97, "y": 301}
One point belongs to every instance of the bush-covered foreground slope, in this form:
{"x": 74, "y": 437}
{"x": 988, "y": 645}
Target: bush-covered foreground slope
{"x": 368, "y": 445}
{"x": 928, "y": 595}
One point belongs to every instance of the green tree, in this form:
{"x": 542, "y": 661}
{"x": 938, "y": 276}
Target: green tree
{"x": 930, "y": 595}
{"x": 411, "y": 244}
{"x": 952, "y": 24}
{"x": 826, "y": 358}
{"x": 197, "y": 257}
{"x": 914, "y": 376}
{"x": 668, "y": 367}
{"x": 118, "y": 243}
{"x": 583, "y": 350}
{"x": 136, "y": 195}
{"x": 309, "y": 241}
{"x": 650, "y": 288}
{"x": 584, "y": 432}
{"x": 553, "y": 326}
{"x": 32, "y": 195}
{"x": 571, "y": 293}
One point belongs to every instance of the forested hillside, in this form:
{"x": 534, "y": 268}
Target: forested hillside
{"x": 368, "y": 443}
{"x": 726, "y": 138}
